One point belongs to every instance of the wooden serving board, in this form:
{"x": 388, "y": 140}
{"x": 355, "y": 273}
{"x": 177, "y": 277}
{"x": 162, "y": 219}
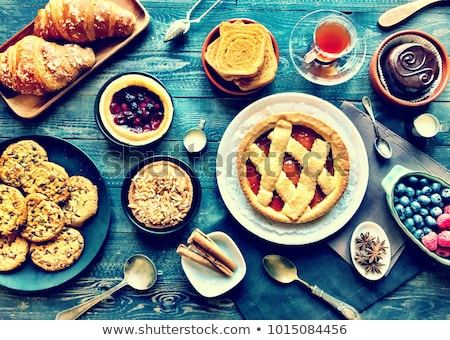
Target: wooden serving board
{"x": 29, "y": 106}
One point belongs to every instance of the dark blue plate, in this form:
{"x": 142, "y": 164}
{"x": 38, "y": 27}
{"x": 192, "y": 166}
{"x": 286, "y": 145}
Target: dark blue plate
{"x": 30, "y": 278}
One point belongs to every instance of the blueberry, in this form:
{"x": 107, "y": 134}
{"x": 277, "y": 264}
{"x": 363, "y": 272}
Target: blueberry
{"x": 445, "y": 194}
{"x": 418, "y": 233}
{"x": 404, "y": 200}
{"x": 436, "y": 211}
{"x": 418, "y": 221}
{"x": 430, "y": 221}
{"x": 133, "y": 105}
{"x": 436, "y": 187}
{"x": 410, "y": 192}
{"x": 400, "y": 209}
{"x": 415, "y": 206}
{"x": 409, "y": 223}
{"x": 424, "y": 212}
{"x": 436, "y": 199}
{"x": 423, "y": 200}
{"x": 423, "y": 181}
{"x": 412, "y": 180}
{"x": 408, "y": 212}
{"x": 129, "y": 97}
{"x": 400, "y": 189}
{"x": 426, "y": 190}
{"x": 427, "y": 230}
{"x": 140, "y": 97}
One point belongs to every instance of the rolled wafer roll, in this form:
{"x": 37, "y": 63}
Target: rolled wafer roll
{"x": 208, "y": 248}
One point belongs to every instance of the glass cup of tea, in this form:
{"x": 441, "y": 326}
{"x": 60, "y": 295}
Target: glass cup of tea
{"x": 334, "y": 37}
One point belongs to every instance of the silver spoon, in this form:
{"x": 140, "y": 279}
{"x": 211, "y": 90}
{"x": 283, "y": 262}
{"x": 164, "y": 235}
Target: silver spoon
{"x": 381, "y": 145}
{"x": 283, "y": 270}
{"x": 139, "y": 272}
{"x": 181, "y": 26}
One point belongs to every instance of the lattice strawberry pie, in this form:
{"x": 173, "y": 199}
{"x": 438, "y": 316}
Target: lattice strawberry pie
{"x": 293, "y": 167}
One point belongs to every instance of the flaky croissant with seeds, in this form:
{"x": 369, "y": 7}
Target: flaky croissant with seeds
{"x": 38, "y": 67}
{"x": 82, "y": 21}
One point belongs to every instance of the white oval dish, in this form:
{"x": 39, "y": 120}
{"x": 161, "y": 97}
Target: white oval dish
{"x": 210, "y": 283}
{"x": 376, "y": 231}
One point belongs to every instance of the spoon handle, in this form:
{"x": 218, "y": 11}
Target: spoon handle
{"x": 75, "y": 312}
{"x": 398, "y": 14}
{"x": 346, "y": 310}
{"x": 367, "y": 103}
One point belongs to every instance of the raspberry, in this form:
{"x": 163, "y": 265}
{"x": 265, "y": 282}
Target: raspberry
{"x": 443, "y": 252}
{"x": 447, "y": 209}
{"x": 443, "y": 238}
{"x": 443, "y": 221}
{"x": 430, "y": 241}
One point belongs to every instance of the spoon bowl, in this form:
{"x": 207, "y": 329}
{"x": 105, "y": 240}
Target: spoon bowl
{"x": 139, "y": 273}
{"x": 381, "y": 145}
{"x": 181, "y": 26}
{"x": 284, "y": 270}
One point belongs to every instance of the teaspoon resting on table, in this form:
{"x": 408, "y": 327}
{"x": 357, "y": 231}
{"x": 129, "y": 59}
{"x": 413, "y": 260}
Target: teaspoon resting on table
{"x": 139, "y": 272}
{"x": 381, "y": 145}
{"x": 284, "y": 270}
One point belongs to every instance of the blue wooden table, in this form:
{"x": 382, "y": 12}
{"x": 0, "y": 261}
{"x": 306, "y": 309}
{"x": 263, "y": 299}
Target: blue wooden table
{"x": 178, "y": 66}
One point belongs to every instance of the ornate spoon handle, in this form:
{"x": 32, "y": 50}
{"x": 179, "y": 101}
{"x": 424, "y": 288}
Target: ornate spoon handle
{"x": 346, "y": 310}
{"x": 74, "y": 312}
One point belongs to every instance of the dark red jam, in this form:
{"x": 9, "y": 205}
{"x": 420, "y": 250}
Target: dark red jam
{"x": 291, "y": 167}
{"x": 137, "y": 108}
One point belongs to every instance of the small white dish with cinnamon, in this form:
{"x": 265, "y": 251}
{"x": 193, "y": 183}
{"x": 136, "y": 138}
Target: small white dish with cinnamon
{"x": 212, "y": 262}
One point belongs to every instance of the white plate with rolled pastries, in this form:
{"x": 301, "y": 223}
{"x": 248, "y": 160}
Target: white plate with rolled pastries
{"x": 277, "y": 232}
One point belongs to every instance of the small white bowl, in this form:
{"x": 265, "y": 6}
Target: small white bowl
{"x": 208, "y": 282}
{"x": 376, "y": 231}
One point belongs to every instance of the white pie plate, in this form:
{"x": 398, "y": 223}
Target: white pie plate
{"x": 208, "y": 282}
{"x": 237, "y": 204}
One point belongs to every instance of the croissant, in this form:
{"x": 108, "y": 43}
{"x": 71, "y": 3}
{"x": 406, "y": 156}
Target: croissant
{"x": 82, "y": 21}
{"x": 35, "y": 66}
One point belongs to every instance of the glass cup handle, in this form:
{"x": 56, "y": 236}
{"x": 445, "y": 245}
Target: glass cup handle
{"x": 310, "y": 56}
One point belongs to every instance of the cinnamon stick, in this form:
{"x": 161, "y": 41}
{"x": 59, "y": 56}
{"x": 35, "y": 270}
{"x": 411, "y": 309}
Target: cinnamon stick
{"x": 208, "y": 248}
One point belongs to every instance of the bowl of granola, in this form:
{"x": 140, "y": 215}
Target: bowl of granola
{"x": 161, "y": 195}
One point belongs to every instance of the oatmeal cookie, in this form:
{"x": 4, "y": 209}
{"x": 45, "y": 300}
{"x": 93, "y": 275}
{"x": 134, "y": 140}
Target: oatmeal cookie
{"x": 47, "y": 178}
{"x": 16, "y": 157}
{"x": 82, "y": 203}
{"x": 45, "y": 219}
{"x": 13, "y": 252}
{"x": 60, "y": 253}
{"x": 13, "y": 210}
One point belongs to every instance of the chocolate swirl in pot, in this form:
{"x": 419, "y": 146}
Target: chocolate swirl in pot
{"x": 411, "y": 69}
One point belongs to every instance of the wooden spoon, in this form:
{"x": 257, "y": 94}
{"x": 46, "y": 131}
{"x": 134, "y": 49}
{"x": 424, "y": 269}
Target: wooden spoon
{"x": 398, "y": 14}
